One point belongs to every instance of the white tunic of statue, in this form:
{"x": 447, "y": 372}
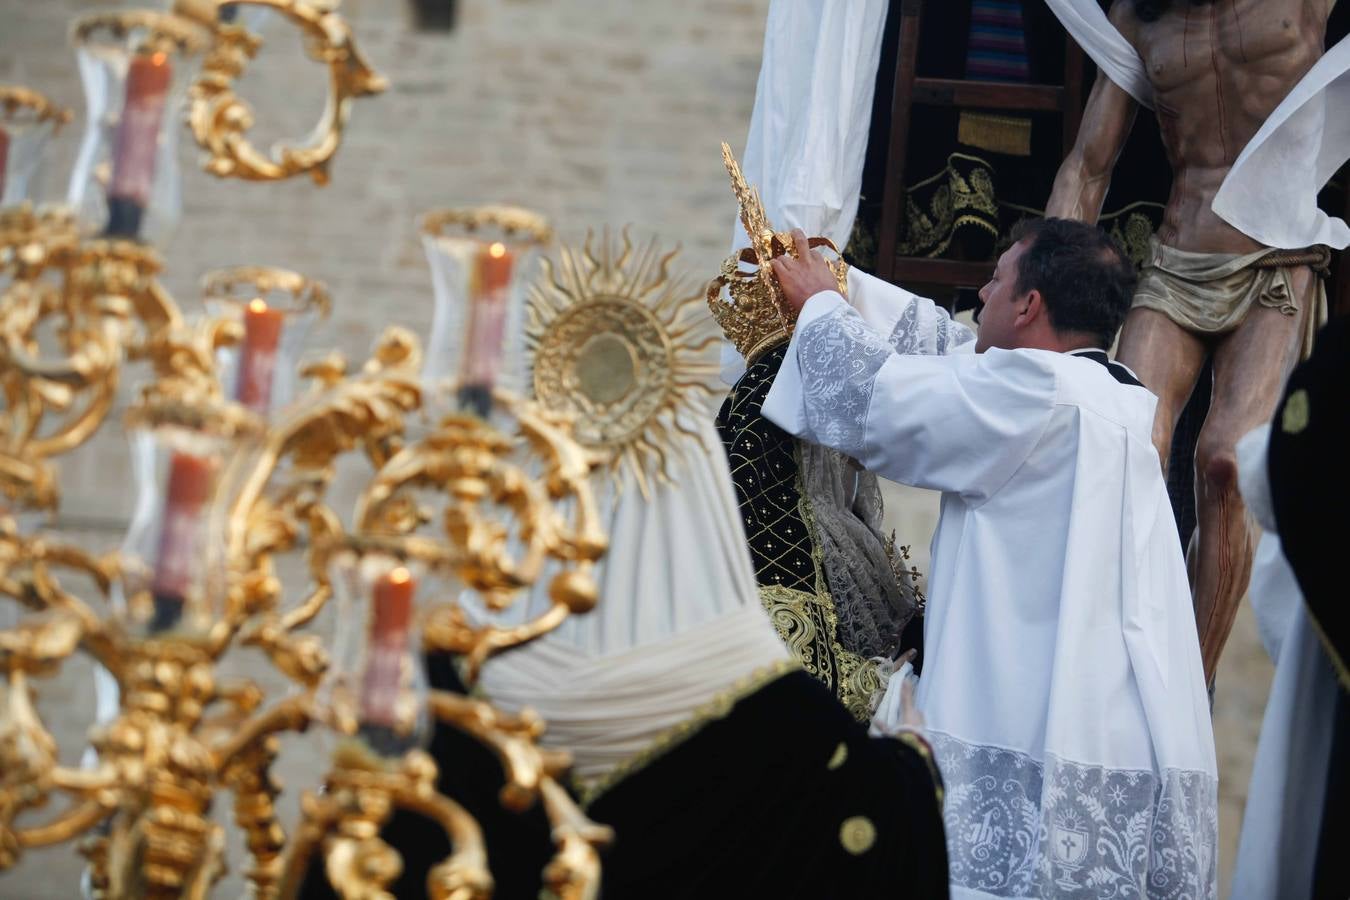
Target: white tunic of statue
{"x": 1062, "y": 683}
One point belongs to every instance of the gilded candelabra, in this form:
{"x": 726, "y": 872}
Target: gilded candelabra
{"x": 234, "y": 478}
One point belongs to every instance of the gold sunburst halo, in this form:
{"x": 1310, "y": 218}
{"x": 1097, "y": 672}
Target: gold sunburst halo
{"x": 625, "y": 349}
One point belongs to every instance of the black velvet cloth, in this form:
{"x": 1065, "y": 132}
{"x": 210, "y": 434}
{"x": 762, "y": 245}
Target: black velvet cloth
{"x": 1310, "y": 491}
{"x": 1308, "y": 483}
{"x": 767, "y": 476}
{"x": 751, "y": 805}
{"x": 1331, "y": 878}
{"x": 765, "y": 472}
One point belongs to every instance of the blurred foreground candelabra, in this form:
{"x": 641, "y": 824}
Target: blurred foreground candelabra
{"x": 232, "y": 463}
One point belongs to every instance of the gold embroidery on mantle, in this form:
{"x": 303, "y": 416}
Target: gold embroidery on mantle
{"x": 807, "y": 624}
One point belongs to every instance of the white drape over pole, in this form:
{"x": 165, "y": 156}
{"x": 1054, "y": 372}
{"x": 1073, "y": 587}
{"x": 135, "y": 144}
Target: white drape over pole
{"x": 808, "y": 130}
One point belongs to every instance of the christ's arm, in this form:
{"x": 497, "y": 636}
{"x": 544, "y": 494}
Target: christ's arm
{"x": 1084, "y": 176}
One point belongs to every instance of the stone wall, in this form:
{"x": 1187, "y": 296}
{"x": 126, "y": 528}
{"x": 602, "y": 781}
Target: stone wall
{"x": 594, "y": 112}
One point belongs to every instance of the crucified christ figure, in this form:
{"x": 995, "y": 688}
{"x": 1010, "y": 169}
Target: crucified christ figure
{"x": 1218, "y": 68}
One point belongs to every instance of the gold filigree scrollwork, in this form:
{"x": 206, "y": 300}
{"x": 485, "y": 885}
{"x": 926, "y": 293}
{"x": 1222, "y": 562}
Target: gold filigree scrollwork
{"x": 342, "y": 413}
{"x": 220, "y": 119}
{"x": 471, "y": 463}
{"x": 343, "y": 825}
{"x": 531, "y": 775}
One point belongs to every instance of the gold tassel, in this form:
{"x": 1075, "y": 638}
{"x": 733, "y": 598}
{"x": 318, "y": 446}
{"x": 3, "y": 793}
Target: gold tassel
{"x": 996, "y": 134}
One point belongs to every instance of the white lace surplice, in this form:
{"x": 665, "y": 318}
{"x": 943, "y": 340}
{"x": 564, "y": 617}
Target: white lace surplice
{"x": 1062, "y": 684}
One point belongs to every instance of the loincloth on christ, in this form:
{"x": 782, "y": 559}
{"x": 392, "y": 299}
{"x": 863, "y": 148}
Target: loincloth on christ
{"x": 1212, "y": 293}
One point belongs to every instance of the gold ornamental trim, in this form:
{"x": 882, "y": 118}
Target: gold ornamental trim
{"x": 515, "y": 223}
{"x": 259, "y": 281}
{"x": 19, "y": 103}
{"x": 164, "y": 31}
{"x": 623, "y": 350}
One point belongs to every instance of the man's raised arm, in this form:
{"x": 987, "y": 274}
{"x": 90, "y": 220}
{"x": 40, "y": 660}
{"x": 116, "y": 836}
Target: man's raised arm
{"x": 960, "y": 423}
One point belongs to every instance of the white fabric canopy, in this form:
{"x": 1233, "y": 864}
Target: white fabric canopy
{"x": 1062, "y": 682}
{"x": 1270, "y": 193}
{"x": 808, "y": 130}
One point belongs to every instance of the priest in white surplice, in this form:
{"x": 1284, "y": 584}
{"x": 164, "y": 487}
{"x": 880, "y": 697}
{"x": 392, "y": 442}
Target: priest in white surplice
{"x": 1062, "y": 688}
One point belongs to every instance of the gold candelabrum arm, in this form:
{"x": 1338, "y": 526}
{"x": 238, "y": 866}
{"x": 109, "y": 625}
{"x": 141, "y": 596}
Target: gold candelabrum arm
{"x": 343, "y": 824}
{"x": 166, "y": 754}
{"x": 531, "y": 774}
{"x": 471, "y": 463}
{"x": 220, "y": 119}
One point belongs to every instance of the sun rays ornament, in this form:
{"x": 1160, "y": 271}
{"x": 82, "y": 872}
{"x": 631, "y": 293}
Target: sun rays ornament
{"x": 625, "y": 349}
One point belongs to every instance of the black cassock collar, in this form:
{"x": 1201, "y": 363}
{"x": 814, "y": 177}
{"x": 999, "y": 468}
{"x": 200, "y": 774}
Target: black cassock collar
{"x": 1118, "y": 371}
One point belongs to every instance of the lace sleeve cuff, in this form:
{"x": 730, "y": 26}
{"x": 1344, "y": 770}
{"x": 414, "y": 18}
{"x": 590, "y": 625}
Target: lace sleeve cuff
{"x": 839, "y": 356}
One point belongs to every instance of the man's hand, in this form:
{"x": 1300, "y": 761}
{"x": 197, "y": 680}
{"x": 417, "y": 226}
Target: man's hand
{"x": 804, "y": 276}
{"x": 910, "y": 717}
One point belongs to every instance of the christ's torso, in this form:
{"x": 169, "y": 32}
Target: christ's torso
{"x": 1218, "y": 70}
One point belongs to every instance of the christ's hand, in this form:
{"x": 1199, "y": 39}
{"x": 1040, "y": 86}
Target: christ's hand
{"x": 802, "y": 277}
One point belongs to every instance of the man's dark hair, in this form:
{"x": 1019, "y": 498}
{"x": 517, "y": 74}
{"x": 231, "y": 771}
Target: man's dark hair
{"x": 1152, "y": 10}
{"x": 1085, "y": 279}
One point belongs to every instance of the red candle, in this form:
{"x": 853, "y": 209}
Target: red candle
{"x": 386, "y": 646}
{"x": 191, "y": 481}
{"x": 487, "y": 315}
{"x": 258, "y": 356}
{"x": 137, "y": 141}
{"x": 4, "y": 159}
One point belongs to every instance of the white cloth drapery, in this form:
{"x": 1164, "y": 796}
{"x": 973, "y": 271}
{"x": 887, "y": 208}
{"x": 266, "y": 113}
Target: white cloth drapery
{"x": 808, "y": 129}
{"x": 679, "y": 619}
{"x": 1270, "y": 193}
{"x": 1062, "y": 682}
{"x": 606, "y": 710}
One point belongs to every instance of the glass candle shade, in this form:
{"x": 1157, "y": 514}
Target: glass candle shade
{"x": 375, "y": 689}
{"x": 276, "y": 310}
{"x": 174, "y": 565}
{"x": 481, "y": 262}
{"x": 135, "y": 68}
{"x": 28, "y": 121}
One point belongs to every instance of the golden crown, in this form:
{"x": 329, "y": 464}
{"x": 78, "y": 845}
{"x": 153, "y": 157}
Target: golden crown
{"x": 754, "y": 318}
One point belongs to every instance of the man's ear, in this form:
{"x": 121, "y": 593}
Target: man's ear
{"x": 1031, "y": 307}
